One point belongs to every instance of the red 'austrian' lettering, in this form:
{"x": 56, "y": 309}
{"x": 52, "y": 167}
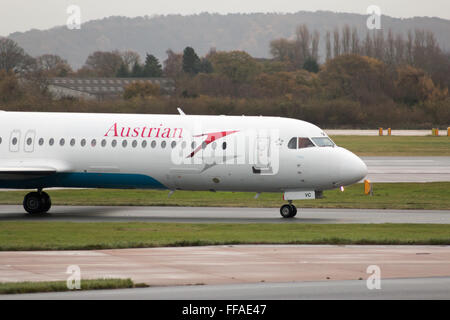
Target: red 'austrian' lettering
{"x": 145, "y": 132}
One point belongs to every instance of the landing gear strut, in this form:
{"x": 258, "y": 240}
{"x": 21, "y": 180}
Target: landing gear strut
{"x": 288, "y": 210}
{"x": 37, "y": 202}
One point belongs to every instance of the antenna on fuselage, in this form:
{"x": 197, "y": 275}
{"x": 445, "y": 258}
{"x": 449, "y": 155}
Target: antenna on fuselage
{"x": 181, "y": 111}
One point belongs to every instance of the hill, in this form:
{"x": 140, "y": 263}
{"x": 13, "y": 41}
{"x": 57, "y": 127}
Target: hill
{"x": 249, "y": 32}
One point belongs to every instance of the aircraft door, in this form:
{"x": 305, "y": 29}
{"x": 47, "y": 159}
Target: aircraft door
{"x": 265, "y": 160}
{"x": 262, "y": 152}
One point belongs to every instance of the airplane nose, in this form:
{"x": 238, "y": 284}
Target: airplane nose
{"x": 352, "y": 168}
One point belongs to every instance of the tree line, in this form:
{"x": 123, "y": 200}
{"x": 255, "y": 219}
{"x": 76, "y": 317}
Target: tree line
{"x": 378, "y": 80}
{"x": 418, "y": 48}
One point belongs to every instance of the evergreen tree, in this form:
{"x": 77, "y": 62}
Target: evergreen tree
{"x": 311, "y": 65}
{"x": 152, "y": 67}
{"x": 205, "y": 66}
{"x": 137, "y": 70}
{"x": 191, "y": 61}
{"x": 123, "y": 71}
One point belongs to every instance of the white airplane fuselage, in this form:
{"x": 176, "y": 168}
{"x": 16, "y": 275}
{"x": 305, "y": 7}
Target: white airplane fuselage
{"x": 223, "y": 153}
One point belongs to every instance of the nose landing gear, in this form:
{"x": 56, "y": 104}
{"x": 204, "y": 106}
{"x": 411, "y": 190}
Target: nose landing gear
{"x": 288, "y": 210}
{"x": 37, "y": 202}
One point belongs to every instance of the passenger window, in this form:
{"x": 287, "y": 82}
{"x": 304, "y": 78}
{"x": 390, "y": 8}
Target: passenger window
{"x": 41, "y": 141}
{"x": 173, "y": 144}
{"x": 114, "y": 143}
{"x": 0, "y": 140}
{"x": 124, "y": 143}
{"x": 29, "y": 141}
{"x": 51, "y": 141}
{"x": 163, "y": 144}
{"x": 183, "y": 145}
{"x": 103, "y": 143}
{"x": 224, "y": 145}
{"x": 292, "y": 144}
{"x": 93, "y": 142}
{"x": 62, "y": 142}
{"x": 72, "y": 142}
{"x": 153, "y": 144}
{"x": 83, "y": 142}
{"x": 134, "y": 144}
{"x": 305, "y": 143}
{"x": 144, "y": 144}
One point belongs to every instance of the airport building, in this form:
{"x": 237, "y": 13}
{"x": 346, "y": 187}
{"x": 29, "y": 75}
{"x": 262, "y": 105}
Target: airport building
{"x": 101, "y": 88}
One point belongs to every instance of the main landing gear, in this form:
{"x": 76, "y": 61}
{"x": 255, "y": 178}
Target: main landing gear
{"x": 288, "y": 210}
{"x": 37, "y": 202}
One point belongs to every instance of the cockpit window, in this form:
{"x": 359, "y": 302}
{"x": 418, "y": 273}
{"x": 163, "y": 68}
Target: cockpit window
{"x": 305, "y": 143}
{"x": 292, "y": 143}
{"x": 323, "y": 142}
{"x": 300, "y": 143}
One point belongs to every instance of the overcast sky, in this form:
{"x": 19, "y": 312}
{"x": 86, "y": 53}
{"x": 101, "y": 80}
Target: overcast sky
{"x": 22, "y": 15}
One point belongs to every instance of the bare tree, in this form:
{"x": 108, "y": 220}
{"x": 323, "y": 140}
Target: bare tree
{"x": 419, "y": 48}
{"x": 53, "y": 65}
{"x": 281, "y": 49}
{"x": 130, "y": 58}
{"x": 368, "y": 45}
{"x": 390, "y": 49}
{"x": 410, "y": 49}
{"x": 173, "y": 65}
{"x": 337, "y": 43}
{"x": 303, "y": 43}
{"x": 399, "y": 49}
{"x": 328, "y": 45}
{"x": 378, "y": 44}
{"x": 104, "y": 63}
{"x": 355, "y": 41}
{"x": 346, "y": 39}
{"x": 315, "y": 45}
{"x": 432, "y": 46}
{"x": 13, "y": 57}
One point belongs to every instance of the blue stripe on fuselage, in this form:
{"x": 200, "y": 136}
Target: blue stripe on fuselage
{"x": 86, "y": 180}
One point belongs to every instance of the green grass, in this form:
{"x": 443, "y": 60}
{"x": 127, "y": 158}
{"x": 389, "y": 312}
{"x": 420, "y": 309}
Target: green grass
{"x": 395, "y": 145}
{"x": 386, "y": 196}
{"x": 59, "y": 286}
{"x": 20, "y": 236}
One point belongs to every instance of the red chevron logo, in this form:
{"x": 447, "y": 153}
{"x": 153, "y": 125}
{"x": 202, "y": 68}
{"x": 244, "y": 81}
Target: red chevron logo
{"x": 210, "y": 137}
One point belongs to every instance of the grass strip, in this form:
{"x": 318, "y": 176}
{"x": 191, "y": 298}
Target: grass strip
{"x": 27, "y": 236}
{"x": 395, "y": 145}
{"x": 429, "y": 196}
{"x": 60, "y": 286}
